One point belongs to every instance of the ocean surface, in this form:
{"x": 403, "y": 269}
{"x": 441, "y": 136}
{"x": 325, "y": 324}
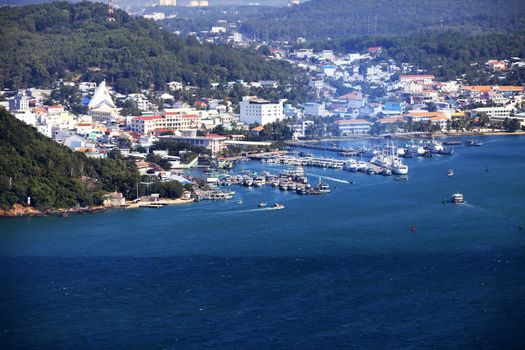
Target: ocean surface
{"x": 338, "y": 271}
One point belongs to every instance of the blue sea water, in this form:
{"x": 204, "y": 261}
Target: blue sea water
{"x": 338, "y": 271}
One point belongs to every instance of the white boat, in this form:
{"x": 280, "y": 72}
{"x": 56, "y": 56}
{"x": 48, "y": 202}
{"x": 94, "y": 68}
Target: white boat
{"x": 416, "y": 149}
{"x": 259, "y": 181}
{"x": 277, "y": 206}
{"x": 457, "y": 198}
{"x": 262, "y": 204}
{"x": 351, "y": 165}
{"x": 323, "y": 187}
{"x": 450, "y": 172}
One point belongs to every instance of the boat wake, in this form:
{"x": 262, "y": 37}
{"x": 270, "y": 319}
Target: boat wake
{"x": 330, "y": 178}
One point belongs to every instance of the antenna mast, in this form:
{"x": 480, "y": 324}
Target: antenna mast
{"x": 110, "y": 17}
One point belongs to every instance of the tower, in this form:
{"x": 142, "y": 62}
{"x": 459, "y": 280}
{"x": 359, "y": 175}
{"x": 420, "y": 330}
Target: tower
{"x": 110, "y": 17}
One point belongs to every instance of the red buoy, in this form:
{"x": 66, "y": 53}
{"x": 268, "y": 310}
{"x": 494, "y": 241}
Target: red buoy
{"x": 413, "y": 228}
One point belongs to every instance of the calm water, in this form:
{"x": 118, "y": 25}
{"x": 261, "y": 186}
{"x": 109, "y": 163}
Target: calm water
{"x": 336, "y": 271}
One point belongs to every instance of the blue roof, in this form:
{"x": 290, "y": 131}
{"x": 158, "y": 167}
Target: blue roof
{"x": 85, "y": 101}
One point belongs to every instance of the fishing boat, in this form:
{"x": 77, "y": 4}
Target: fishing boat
{"x": 457, "y": 198}
{"x": 450, "y": 172}
{"x": 323, "y": 187}
{"x": 262, "y": 204}
{"x": 302, "y": 191}
{"x": 259, "y": 181}
{"x": 415, "y": 149}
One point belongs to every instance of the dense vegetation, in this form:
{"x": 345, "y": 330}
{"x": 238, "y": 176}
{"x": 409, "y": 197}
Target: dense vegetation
{"x": 43, "y": 43}
{"x": 320, "y": 19}
{"x": 32, "y": 165}
{"x": 447, "y": 55}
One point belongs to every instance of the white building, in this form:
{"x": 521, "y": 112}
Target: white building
{"x": 168, "y": 3}
{"x": 353, "y": 126}
{"x": 257, "y": 110}
{"x": 315, "y": 109}
{"x": 101, "y": 106}
{"x": 496, "y": 113}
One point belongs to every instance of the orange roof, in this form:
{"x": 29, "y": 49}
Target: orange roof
{"x": 424, "y": 114}
{"x": 258, "y": 128}
{"x": 351, "y": 96}
{"x": 437, "y": 119}
{"x": 480, "y": 88}
{"x": 511, "y": 88}
{"x": 190, "y": 116}
{"x": 153, "y": 117}
{"x": 215, "y": 136}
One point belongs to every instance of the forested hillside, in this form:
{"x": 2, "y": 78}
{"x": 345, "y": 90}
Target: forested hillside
{"x": 320, "y": 19}
{"x": 32, "y": 165}
{"x": 42, "y": 43}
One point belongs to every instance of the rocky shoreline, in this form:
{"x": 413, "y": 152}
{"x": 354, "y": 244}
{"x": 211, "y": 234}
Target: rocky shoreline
{"x": 19, "y": 210}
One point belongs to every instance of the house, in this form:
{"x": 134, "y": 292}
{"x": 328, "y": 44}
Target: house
{"x": 353, "y": 126}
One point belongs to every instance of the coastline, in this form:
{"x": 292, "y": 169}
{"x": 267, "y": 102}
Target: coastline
{"x": 19, "y": 211}
{"x": 416, "y": 135}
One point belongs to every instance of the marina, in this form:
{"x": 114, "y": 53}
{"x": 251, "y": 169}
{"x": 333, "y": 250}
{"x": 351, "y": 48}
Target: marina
{"x": 220, "y": 260}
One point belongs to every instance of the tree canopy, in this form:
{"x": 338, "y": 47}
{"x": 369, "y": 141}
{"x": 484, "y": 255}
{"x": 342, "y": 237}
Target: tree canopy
{"x": 43, "y": 43}
{"x": 32, "y": 165}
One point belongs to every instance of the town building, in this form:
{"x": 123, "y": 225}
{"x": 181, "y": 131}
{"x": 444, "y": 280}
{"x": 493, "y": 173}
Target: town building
{"x": 260, "y": 111}
{"x": 316, "y": 109}
{"x": 353, "y": 126}
{"x": 496, "y": 114}
{"x": 101, "y": 107}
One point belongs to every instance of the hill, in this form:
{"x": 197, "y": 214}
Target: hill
{"x": 320, "y": 19}
{"x": 42, "y": 43}
{"x": 448, "y": 55}
{"x": 32, "y": 165}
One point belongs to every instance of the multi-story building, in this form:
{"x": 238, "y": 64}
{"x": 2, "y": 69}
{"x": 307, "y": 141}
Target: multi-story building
{"x": 168, "y": 121}
{"x": 19, "y": 103}
{"x": 353, "y": 126}
{"x": 215, "y": 143}
{"x": 257, "y": 110}
{"x": 495, "y": 113}
{"x": 315, "y": 109}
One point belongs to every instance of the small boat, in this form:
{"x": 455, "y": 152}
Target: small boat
{"x": 262, "y": 204}
{"x": 450, "y": 172}
{"x": 239, "y": 202}
{"x": 474, "y": 143}
{"x": 386, "y": 172}
{"x": 323, "y": 188}
{"x": 277, "y": 206}
{"x": 457, "y": 198}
